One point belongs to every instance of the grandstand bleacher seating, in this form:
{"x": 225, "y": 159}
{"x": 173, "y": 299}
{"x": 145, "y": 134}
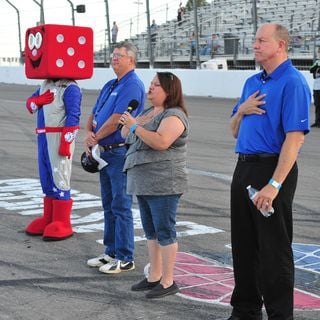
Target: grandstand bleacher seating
{"x": 232, "y": 21}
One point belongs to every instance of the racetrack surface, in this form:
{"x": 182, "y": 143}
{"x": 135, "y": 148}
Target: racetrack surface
{"x": 51, "y": 281}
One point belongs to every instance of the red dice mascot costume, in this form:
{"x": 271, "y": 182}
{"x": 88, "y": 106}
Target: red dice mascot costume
{"x": 59, "y": 54}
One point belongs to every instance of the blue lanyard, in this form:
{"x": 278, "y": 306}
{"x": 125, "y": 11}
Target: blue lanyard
{"x": 101, "y": 104}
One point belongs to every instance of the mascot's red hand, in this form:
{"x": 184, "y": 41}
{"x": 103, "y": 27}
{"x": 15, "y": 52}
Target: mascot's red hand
{"x": 34, "y": 103}
{"x": 68, "y": 134}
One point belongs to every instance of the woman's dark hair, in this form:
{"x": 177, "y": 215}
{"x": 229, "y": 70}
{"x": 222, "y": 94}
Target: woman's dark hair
{"x": 171, "y": 84}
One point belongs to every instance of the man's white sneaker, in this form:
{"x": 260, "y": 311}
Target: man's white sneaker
{"x": 117, "y": 266}
{"x": 100, "y": 261}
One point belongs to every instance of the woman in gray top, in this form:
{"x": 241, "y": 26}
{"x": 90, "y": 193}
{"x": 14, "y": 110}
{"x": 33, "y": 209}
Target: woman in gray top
{"x": 156, "y": 174}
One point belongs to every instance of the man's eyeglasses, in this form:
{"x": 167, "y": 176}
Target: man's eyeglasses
{"x": 117, "y": 55}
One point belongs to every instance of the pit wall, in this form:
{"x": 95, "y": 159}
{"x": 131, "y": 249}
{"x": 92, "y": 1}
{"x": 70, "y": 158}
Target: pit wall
{"x": 203, "y": 83}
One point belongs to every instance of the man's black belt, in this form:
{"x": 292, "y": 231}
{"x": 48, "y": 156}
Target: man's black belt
{"x": 262, "y": 157}
{"x": 108, "y": 147}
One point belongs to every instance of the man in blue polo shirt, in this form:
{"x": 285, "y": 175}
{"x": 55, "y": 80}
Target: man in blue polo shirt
{"x": 102, "y": 129}
{"x": 269, "y": 122}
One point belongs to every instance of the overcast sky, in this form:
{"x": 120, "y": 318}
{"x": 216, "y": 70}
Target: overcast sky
{"x": 124, "y": 12}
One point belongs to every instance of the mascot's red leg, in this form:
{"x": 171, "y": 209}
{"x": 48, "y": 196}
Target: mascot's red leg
{"x": 60, "y": 228}
{"x": 37, "y": 226}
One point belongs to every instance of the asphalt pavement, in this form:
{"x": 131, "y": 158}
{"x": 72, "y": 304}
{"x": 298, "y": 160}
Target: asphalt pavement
{"x": 51, "y": 281}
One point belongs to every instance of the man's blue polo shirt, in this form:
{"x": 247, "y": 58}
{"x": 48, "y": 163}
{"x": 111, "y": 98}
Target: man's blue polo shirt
{"x": 288, "y": 100}
{"x": 114, "y": 98}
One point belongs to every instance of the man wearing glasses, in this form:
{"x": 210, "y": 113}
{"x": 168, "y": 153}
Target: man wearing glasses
{"x": 102, "y": 128}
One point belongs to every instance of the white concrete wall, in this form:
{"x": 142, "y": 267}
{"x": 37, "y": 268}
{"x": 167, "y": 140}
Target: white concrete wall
{"x": 205, "y": 83}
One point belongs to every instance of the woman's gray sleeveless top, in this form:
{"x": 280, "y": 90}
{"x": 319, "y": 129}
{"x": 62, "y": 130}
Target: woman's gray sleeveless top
{"x": 154, "y": 172}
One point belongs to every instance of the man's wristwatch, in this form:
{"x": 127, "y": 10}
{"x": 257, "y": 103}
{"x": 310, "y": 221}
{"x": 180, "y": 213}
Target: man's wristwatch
{"x": 275, "y": 184}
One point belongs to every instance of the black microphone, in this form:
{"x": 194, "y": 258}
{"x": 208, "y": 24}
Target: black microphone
{"x": 133, "y": 105}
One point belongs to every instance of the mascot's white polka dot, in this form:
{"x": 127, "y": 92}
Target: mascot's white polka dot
{"x": 82, "y": 40}
{"x": 70, "y": 51}
{"x": 60, "y": 38}
{"x": 59, "y": 63}
{"x": 81, "y": 64}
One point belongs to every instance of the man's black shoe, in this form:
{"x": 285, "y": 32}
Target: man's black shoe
{"x": 315, "y": 125}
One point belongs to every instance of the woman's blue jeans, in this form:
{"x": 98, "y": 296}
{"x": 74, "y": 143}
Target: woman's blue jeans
{"x": 158, "y": 217}
{"x": 118, "y": 220}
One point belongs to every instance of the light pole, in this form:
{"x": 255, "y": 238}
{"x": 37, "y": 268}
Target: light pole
{"x": 138, "y": 3}
{"x": 19, "y": 29}
{"x": 254, "y": 16}
{"x": 150, "y": 47}
{"x": 81, "y": 8}
{"x": 41, "y": 10}
{"x": 195, "y": 12}
{"x": 130, "y": 27}
{"x": 255, "y": 24}
{"x": 72, "y": 12}
{"x": 108, "y": 30}
{"x": 167, "y": 8}
{"x": 318, "y": 17}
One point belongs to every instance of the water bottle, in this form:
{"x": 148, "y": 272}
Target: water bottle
{"x": 252, "y": 193}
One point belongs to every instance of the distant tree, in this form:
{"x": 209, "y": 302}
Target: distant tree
{"x": 200, "y": 3}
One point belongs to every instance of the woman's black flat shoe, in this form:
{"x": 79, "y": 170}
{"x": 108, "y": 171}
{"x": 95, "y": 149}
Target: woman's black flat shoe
{"x": 159, "y": 291}
{"x": 144, "y": 285}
